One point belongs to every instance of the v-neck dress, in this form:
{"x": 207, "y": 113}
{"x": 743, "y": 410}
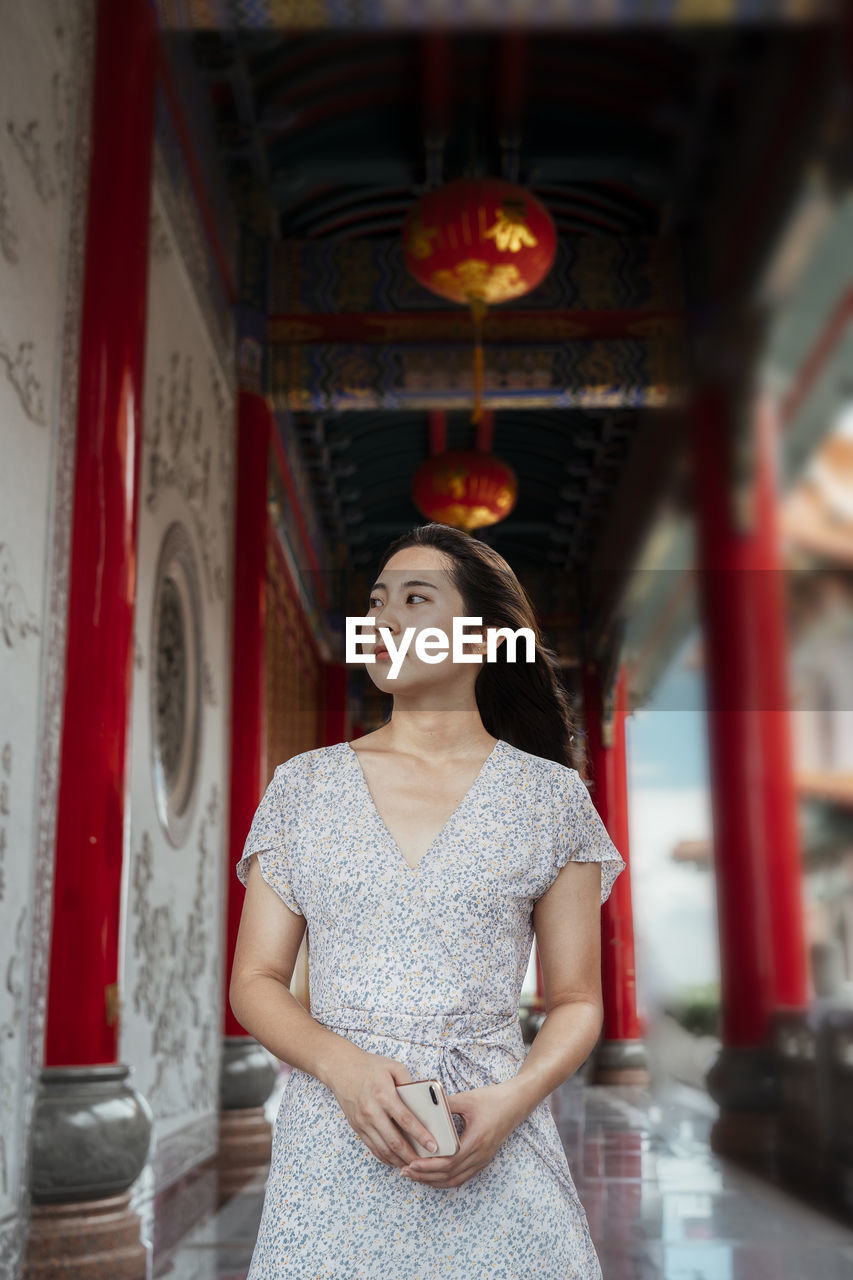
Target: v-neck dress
{"x": 426, "y": 966}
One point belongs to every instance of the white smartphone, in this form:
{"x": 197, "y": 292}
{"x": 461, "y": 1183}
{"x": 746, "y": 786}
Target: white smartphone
{"x": 427, "y": 1100}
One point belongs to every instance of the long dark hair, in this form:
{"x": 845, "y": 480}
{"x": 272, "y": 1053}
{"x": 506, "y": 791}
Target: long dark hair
{"x": 525, "y": 703}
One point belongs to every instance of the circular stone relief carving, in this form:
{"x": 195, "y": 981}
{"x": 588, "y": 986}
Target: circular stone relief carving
{"x": 175, "y": 682}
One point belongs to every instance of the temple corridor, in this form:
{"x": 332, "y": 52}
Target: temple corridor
{"x": 559, "y": 295}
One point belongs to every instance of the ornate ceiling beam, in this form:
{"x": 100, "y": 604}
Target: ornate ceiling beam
{"x": 297, "y": 16}
{"x": 428, "y": 327}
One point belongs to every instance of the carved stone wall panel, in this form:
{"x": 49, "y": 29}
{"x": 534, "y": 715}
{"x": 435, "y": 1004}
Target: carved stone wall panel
{"x": 46, "y": 55}
{"x": 171, "y": 979}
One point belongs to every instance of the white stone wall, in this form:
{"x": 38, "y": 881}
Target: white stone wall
{"x": 171, "y": 978}
{"x": 45, "y": 102}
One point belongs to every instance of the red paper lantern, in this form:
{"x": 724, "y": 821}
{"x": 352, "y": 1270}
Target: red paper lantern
{"x": 479, "y": 241}
{"x": 465, "y": 488}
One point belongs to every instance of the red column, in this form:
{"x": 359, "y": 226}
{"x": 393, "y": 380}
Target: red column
{"x": 756, "y": 858}
{"x": 607, "y": 756}
{"x": 782, "y": 862}
{"x": 756, "y": 836}
{"x": 82, "y": 1005}
{"x": 726, "y": 583}
{"x": 248, "y": 701}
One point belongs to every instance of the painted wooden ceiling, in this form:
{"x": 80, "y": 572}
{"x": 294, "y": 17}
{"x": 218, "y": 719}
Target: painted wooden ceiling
{"x": 693, "y": 133}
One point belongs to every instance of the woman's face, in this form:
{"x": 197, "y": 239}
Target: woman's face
{"x": 414, "y": 591}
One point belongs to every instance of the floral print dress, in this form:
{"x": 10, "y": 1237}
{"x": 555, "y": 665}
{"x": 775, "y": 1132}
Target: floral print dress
{"x": 426, "y": 966}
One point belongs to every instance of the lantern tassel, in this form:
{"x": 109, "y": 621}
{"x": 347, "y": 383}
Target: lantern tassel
{"x": 478, "y": 311}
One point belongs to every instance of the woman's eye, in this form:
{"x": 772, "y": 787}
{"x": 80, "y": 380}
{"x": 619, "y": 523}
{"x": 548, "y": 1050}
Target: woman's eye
{"x": 412, "y": 595}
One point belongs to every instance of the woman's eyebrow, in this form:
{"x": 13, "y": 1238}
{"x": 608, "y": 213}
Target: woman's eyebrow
{"x": 410, "y": 582}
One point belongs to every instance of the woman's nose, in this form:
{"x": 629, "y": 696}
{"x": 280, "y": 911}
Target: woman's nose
{"x": 388, "y": 622}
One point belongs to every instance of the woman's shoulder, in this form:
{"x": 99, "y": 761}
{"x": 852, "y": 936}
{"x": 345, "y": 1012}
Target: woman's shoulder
{"x": 530, "y": 777}
{"x": 542, "y": 766}
{"x": 312, "y": 766}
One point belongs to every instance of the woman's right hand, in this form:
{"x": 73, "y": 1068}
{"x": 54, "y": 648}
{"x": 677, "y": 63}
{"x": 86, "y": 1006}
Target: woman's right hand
{"x": 365, "y": 1085}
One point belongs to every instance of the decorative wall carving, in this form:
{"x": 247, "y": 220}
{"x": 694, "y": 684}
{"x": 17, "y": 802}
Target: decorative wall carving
{"x": 180, "y": 458}
{"x": 171, "y": 1026}
{"x": 62, "y": 95}
{"x": 160, "y": 244}
{"x": 5, "y": 809}
{"x": 8, "y": 232}
{"x": 18, "y": 366}
{"x": 11, "y": 1022}
{"x": 46, "y": 58}
{"x": 16, "y": 619}
{"x": 208, "y": 686}
{"x": 175, "y": 683}
{"x": 28, "y": 142}
{"x": 176, "y": 986}
{"x": 175, "y": 189}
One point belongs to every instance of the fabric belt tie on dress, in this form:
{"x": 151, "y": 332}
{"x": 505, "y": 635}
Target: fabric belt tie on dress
{"x": 457, "y": 1036}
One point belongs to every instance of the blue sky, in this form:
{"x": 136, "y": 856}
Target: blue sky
{"x": 675, "y": 925}
{"x": 667, "y": 736}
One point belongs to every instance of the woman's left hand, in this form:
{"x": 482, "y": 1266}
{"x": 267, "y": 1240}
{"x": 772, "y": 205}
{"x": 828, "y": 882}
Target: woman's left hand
{"x": 490, "y": 1114}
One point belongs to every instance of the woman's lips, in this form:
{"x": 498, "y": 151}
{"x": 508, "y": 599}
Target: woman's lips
{"x": 381, "y": 653}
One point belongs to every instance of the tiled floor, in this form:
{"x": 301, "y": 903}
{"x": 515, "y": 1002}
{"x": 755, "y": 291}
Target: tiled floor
{"x": 661, "y": 1205}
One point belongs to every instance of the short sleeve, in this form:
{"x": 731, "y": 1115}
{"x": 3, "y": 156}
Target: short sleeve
{"x": 579, "y": 834}
{"x": 269, "y": 838}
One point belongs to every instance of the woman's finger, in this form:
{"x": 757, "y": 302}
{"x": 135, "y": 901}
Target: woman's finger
{"x": 398, "y": 1142}
{"x": 444, "y": 1179}
{"x": 375, "y": 1139}
{"x": 468, "y": 1157}
{"x": 428, "y": 1173}
{"x": 434, "y": 1164}
{"x": 394, "y": 1142}
{"x": 412, "y": 1126}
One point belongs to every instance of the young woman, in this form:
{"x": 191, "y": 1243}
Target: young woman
{"x": 423, "y": 857}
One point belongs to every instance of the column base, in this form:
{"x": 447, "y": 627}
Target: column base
{"x": 744, "y": 1078}
{"x": 749, "y": 1137}
{"x": 744, "y": 1082}
{"x": 86, "y": 1240}
{"x": 803, "y": 1161}
{"x": 621, "y": 1062}
{"x": 840, "y": 1182}
{"x": 247, "y": 1076}
{"x": 91, "y": 1136}
{"x": 247, "y": 1073}
{"x": 245, "y": 1149}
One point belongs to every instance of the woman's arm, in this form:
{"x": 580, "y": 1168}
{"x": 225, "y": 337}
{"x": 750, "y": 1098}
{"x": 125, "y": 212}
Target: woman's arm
{"x": 268, "y": 942}
{"x": 567, "y": 923}
{"x": 364, "y": 1084}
